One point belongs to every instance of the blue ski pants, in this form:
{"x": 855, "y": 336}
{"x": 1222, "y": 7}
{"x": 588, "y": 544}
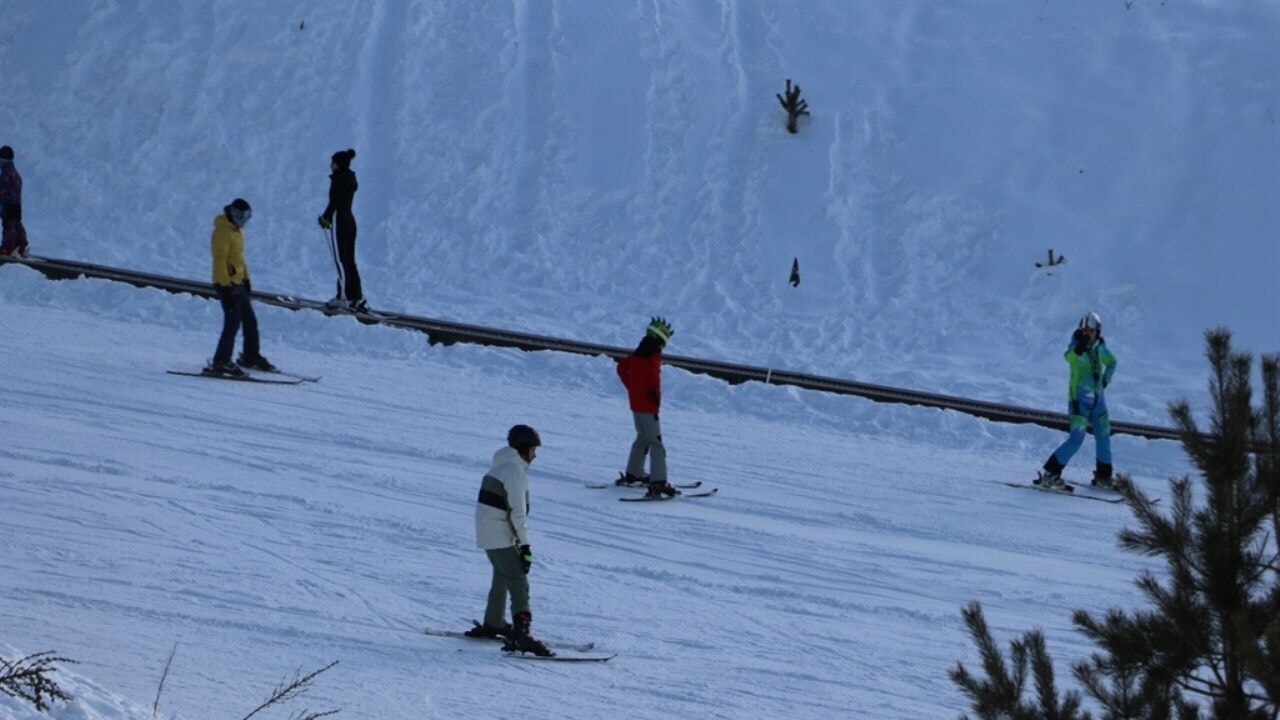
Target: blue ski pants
{"x": 1088, "y": 410}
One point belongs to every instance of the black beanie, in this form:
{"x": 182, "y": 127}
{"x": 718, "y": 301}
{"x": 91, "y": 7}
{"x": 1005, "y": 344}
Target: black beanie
{"x": 6, "y": 153}
{"x": 343, "y": 158}
{"x": 240, "y": 204}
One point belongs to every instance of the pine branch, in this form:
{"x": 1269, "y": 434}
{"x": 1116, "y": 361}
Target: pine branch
{"x": 794, "y": 106}
{"x": 293, "y": 688}
{"x": 999, "y": 695}
{"x": 1000, "y": 690}
{"x": 164, "y": 675}
{"x": 306, "y": 715}
{"x": 29, "y": 679}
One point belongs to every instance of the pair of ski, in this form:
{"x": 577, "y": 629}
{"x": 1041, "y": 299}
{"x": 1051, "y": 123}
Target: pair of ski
{"x": 1070, "y": 491}
{"x": 570, "y": 652}
{"x": 255, "y": 376}
{"x": 656, "y": 498}
{"x": 368, "y": 317}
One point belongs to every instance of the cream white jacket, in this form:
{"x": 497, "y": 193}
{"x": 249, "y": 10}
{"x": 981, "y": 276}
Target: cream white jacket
{"x": 507, "y": 483}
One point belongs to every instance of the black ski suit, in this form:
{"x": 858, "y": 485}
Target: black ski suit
{"x": 342, "y": 192}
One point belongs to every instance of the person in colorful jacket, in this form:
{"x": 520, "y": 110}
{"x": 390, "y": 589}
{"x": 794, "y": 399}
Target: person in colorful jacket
{"x": 502, "y": 531}
{"x": 342, "y": 239}
{"x": 641, "y": 373}
{"x": 13, "y": 236}
{"x": 1092, "y": 367}
{"x": 231, "y": 282}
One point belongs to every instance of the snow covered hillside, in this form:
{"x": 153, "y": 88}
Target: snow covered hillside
{"x": 626, "y": 159}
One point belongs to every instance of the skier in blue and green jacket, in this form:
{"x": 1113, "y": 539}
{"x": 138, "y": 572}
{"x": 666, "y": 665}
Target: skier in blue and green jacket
{"x": 1092, "y": 366}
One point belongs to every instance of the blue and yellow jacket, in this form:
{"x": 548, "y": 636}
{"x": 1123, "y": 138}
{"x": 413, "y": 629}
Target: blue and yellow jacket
{"x": 1091, "y": 367}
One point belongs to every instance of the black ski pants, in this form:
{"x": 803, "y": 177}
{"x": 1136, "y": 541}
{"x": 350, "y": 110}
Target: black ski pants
{"x": 342, "y": 243}
{"x": 237, "y": 311}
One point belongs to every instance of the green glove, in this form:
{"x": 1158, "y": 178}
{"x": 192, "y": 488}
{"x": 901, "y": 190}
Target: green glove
{"x": 526, "y": 557}
{"x": 325, "y": 222}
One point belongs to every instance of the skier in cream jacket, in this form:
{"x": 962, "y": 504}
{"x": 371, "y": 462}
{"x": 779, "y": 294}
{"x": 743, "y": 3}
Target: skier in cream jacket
{"x": 502, "y": 531}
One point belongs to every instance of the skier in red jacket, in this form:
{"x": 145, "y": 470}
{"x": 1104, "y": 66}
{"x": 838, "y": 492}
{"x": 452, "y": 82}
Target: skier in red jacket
{"x": 641, "y": 373}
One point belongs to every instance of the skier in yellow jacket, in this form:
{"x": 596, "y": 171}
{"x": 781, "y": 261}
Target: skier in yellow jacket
{"x": 231, "y": 281}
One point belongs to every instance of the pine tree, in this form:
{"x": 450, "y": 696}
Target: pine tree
{"x": 1208, "y": 645}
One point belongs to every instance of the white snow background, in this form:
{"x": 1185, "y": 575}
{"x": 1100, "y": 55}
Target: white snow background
{"x": 571, "y": 168}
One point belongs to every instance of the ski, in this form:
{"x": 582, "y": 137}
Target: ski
{"x": 368, "y": 317}
{"x": 1068, "y": 491}
{"x": 371, "y": 317}
{"x": 285, "y": 374}
{"x": 1111, "y": 492}
{"x": 244, "y": 378}
{"x": 605, "y": 486}
{"x": 561, "y": 658}
{"x": 663, "y": 498}
{"x": 572, "y": 647}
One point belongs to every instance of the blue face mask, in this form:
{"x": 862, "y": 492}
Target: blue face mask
{"x": 240, "y": 217}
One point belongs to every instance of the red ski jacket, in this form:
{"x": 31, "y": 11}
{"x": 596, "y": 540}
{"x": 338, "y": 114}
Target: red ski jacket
{"x": 642, "y": 377}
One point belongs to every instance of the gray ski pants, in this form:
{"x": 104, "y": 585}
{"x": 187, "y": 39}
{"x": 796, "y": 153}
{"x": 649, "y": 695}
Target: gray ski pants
{"x": 508, "y": 578}
{"x": 648, "y": 441}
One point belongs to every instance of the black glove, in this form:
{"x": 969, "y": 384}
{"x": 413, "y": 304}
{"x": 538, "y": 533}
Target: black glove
{"x": 1079, "y": 343}
{"x": 247, "y": 287}
{"x": 14, "y": 212}
{"x": 526, "y": 558}
{"x": 325, "y": 222}
{"x": 656, "y": 397}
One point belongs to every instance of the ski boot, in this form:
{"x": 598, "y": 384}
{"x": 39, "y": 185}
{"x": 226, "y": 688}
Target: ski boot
{"x": 1050, "y": 481}
{"x": 256, "y": 363}
{"x": 628, "y": 480}
{"x": 1102, "y": 477}
{"x": 521, "y": 641}
{"x": 661, "y": 489}
{"x": 485, "y": 631}
{"x": 224, "y": 369}
{"x": 1051, "y": 477}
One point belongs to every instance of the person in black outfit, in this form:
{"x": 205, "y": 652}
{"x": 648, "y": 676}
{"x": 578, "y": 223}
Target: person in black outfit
{"x": 342, "y": 240}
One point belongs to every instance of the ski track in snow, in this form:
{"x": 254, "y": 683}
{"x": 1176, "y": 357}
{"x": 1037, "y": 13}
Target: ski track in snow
{"x": 258, "y": 528}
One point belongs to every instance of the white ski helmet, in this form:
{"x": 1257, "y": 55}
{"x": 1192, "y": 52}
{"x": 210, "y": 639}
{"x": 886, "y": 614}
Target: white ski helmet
{"x": 1092, "y": 321}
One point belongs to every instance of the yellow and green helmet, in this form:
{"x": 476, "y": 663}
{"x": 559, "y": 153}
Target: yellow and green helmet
{"x": 661, "y": 329}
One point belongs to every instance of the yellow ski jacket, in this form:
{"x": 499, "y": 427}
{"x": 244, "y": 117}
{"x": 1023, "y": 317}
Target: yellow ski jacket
{"x": 227, "y": 244}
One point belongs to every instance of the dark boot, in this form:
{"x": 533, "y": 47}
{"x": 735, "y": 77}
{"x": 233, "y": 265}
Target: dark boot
{"x": 1052, "y": 475}
{"x": 661, "y": 490}
{"x": 488, "y": 631}
{"x": 522, "y": 641}
{"x": 256, "y": 363}
{"x": 223, "y": 369}
{"x": 625, "y": 480}
{"x": 1052, "y": 466}
{"x": 1102, "y": 476}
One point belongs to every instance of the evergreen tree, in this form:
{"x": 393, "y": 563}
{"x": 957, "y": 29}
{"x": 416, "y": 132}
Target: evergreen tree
{"x": 1208, "y": 645}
